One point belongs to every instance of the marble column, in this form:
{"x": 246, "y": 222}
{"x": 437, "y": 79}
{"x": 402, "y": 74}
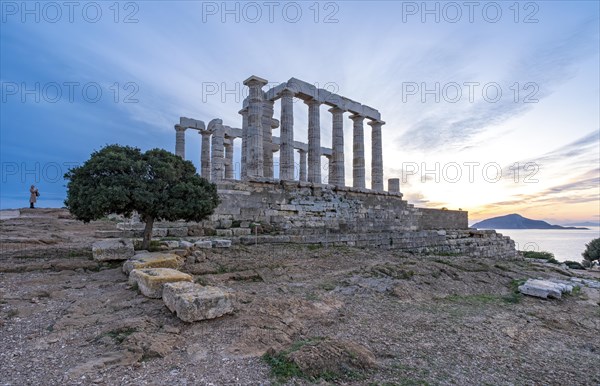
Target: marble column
{"x": 286, "y": 154}
{"x": 255, "y": 153}
{"x": 244, "y": 114}
{"x": 330, "y": 170}
{"x": 302, "y": 154}
{"x": 228, "y": 144}
{"x": 358, "y": 152}
{"x": 314, "y": 141}
{"x": 205, "y": 154}
{"x": 180, "y": 141}
{"x": 217, "y": 159}
{"x": 267, "y": 121}
{"x": 394, "y": 185}
{"x": 376, "y": 156}
{"x": 338, "y": 174}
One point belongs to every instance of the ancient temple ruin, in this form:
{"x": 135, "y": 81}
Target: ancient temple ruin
{"x": 258, "y": 143}
{"x": 297, "y": 206}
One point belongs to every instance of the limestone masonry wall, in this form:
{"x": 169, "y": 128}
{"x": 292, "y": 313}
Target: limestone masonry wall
{"x": 267, "y": 211}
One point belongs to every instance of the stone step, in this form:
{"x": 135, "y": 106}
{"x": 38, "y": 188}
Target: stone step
{"x": 112, "y": 249}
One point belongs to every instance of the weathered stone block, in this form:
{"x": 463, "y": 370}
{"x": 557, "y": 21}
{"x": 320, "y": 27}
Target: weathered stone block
{"x": 224, "y": 232}
{"x": 221, "y": 243}
{"x": 159, "y": 232}
{"x": 544, "y": 289}
{"x": 203, "y": 244}
{"x": 150, "y": 281}
{"x": 241, "y": 231}
{"x": 185, "y": 244}
{"x": 152, "y": 260}
{"x": 178, "y": 232}
{"x": 112, "y": 249}
{"x": 192, "y": 302}
{"x": 170, "y": 244}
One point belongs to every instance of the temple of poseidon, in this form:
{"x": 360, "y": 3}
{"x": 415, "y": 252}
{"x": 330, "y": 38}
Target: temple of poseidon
{"x": 297, "y": 207}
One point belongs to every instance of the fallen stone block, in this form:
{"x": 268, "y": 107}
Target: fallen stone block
{"x": 544, "y": 289}
{"x": 193, "y": 302}
{"x": 150, "y": 281}
{"x": 203, "y": 244}
{"x": 221, "y": 243}
{"x": 159, "y": 232}
{"x": 152, "y": 260}
{"x": 112, "y": 249}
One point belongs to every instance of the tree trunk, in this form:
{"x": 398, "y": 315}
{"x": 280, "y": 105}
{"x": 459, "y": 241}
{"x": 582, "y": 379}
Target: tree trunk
{"x": 147, "y": 234}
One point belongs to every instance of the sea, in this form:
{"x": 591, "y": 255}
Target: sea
{"x": 565, "y": 244}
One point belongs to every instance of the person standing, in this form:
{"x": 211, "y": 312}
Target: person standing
{"x": 34, "y": 194}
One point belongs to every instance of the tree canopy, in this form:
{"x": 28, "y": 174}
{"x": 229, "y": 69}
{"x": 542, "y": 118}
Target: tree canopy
{"x": 157, "y": 184}
{"x": 592, "y": 251}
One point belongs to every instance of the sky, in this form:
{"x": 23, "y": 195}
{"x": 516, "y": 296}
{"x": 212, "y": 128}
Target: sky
{"x": 491, "y": 107}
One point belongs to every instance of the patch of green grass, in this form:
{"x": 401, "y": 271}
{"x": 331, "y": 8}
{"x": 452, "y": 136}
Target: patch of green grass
{"x": 118, "y": 334}
{"x": 574, "y": 264}
{"x": 135, "y": 287}
{"x": 200, "y": 280}
{"x": 502, "y": 267}
{"x": 154, "y": 245}
{"x": 13, "y": 312}
{"x": 542, "y": 255}
{"x": 281, "y": 367}
{"x": 514, "y": 296}
{"x": 446, "y": 254}
{"x": 328, "y": 286}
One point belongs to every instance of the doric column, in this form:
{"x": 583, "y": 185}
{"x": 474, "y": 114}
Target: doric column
{"x": 330, "y": 170}
{"x": 376, "y": 156}
{"x": 358, "y": 152}
{"x": 314, "y": 141}
{"x": 180, "y": 141}
{"x": 394, "y": 185}
{"x": 228, "y": 144}
{"x": 302, "y": 154}
{"x": 267, "y": 120}
{"x": 217, "y": 155}
{"x": 205, "y": 154}
{"x": 286, "y": 153}
{"x": 255, "y": 154}
{"x": 244, "y": 114}
{"x": 337, "y": 138}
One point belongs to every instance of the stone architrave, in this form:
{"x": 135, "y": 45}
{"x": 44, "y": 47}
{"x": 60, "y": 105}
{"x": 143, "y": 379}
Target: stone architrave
{"x": 255, "y": 153}
{"x": 376, "y": 156}
{"x": 337, "y": 137}
{"x": 314, "y": 141}
{"x": 286, "y": 154}
{"x": 358, "y": 152}
{"x": 180, "y": 141}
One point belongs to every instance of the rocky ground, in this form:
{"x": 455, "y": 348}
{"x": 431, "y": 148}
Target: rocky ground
{"x": 419, "y": 320}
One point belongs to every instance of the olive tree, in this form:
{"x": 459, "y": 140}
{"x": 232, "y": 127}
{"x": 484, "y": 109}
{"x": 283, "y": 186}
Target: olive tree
{"x": 592, "y": 252}
{"x": 157, "y": 184}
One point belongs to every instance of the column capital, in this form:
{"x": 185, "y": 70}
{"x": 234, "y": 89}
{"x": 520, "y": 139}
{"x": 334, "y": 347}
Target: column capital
{"x": 375, "y": 123}
{"x": 312, "y": 102}
{"x": 243, "y": 111}
{"x": 357, "y": 117}
{"x": 254, "y": 81}
{"x": 180, "y": 128}
{"x": 287, "y": 92}
{"x": 336, "y": 110}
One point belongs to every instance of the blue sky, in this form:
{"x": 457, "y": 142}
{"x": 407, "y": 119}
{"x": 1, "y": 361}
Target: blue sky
{"x": 533, "y": 149}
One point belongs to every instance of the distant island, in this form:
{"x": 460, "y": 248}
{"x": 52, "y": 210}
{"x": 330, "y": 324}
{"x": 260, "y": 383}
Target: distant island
{"x": 516, "y": 221}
